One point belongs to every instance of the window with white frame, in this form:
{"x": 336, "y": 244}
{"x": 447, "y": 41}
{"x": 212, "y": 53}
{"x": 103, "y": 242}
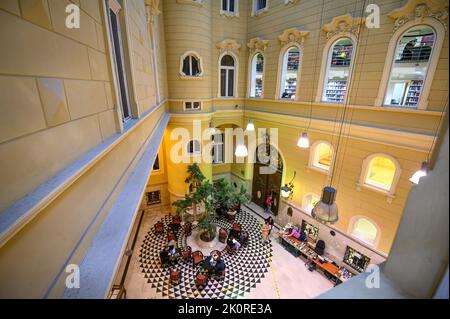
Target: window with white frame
{"x": 115, "y": 34}
{"x": 321, "y": 156}
{"x": 260, "y": 5}
{"x": 380, "y": 172}
{"x": 192, "y": 105}
{"x": 410, "y": 67}
{"x": 191, "y": 66}
{"x": 365, "y": 230}
{"x": 218, "y": 148}
{"x": 309, "y": 201}
{"x": 256, "y": 75}
{"x": 193, "y": 147}
{"x": 156, "y": 166}
{"x": 289, "y": 73}
{"x": 227, "y": 76}
{"x": 338, "y": 71}
{"x": 230, "y": 7}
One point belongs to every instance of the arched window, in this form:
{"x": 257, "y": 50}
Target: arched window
{"x": 289, "y": 73}
{"x": 309, "y": 201}
{"x": 190, "y": 65}
{"x": 227, "y": 76}
{"x": 193, "y": 147}
{"x": 410, "y": 67}
{"x": 365, "y": 230}
{"x": 381, "y": 172}
{"x": 338, "y": 71}
{"x": 321, "y": 156}
{"x": 256, "y": 75}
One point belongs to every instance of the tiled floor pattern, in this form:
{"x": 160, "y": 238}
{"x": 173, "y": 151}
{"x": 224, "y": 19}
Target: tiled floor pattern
{"x": 275, "y": 273}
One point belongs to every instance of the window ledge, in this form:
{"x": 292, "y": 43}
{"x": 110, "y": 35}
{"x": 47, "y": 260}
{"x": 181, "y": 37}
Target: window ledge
{"x": 261, "y": 12}
{"x": 389, "y": 196}
{"x": 320, "y": 170}
{"x": 191, "y": 77}
{"x": 228, "y": 14}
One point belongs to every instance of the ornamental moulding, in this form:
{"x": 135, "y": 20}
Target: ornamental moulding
{"x": 343, "y": 24}
{"x": 257, "y": 44}
{"x": 417, "y": 10}
{"x": 291, "y": 36}
{"x": 228, "y": 45}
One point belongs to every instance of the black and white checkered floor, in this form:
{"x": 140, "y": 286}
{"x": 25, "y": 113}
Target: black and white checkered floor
{"x": 244, "y": 269}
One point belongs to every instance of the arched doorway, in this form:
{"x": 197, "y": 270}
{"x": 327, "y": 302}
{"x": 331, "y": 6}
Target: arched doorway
{"x": 267, "y": 175}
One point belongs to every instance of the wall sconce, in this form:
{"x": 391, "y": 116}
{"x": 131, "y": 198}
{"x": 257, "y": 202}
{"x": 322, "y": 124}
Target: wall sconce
{"x": 288, "y": 189}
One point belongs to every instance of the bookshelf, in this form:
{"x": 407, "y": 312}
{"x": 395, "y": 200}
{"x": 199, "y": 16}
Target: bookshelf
{"x": 413, "y": 93}
{"x": 335, "y": 91}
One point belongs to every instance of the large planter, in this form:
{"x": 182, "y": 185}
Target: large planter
{"x": 207, "y": 236}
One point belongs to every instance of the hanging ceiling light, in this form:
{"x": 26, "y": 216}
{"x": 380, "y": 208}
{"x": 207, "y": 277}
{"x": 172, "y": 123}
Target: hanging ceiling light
{"x": 423, "y": 171}
{"x": 241, "y": 150}
{"x": 250, "y": 126}
{"x": 326, "y": 211}
{"x": 303, "y": 141}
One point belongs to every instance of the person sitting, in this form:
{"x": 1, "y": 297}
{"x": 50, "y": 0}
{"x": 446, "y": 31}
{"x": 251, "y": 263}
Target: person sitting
{"x": 164, "y": 256}
{"x": 232, "y": 244}
{"x": 293, "y": 232}
{"x": 243, "y": 238}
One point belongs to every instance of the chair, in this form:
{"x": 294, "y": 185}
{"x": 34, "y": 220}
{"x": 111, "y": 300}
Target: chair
{"x": 175, "y": 276}
{"x": 159, "y": 228}
{"x": 170, "y": 237}
{"x": 187, "y": 229}
{"x": 320, "y": 247}
{"x": 243, "y": 239}
{"x": 186, "y": 253}
{"x": 216, "y": 252}
{"x": 231, "y": 216}
{"x": 237, "y": 227}
{"x": 223, "y": 234}
{"x": 197, "y": 258}
{"x": 201, "y": 280}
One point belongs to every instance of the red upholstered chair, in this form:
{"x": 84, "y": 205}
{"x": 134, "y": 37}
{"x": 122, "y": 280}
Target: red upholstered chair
{"x": 187, "y": 229}
{"x": 197, "y": 258}
{"x": 170, "y": 236}
{"x": 159, "y": 228}
{"x": 186, "y": 253}
{"x": 201, "y": 280}
{"x": 237, "y": 227}
{"x": 223, "y": 234}
{"x": 175, "y": 276}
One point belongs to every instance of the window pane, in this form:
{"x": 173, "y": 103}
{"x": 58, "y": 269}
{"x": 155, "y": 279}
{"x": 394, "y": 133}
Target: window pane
{"x": 338, "y": 71}
{"x": 290, "y": 70}
{"x": 156, "y": 163}
{"x": 195, "y": 67}
{"x": 230, "y": 82}
{"x": 365, "y": 230}
{"x": 227, "y": 60}
{"x": 323, "y": 155}
{"x": 186, "y": 69}
{"x": 224, "y": 5}
{"x": 231, "y": 5}
{"x": 223, "y": 82}
{"x": 410, "y": 67}
{"x": 381, "y": 173}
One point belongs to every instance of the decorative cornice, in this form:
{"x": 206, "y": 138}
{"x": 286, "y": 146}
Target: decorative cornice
{"x": 293, "y": 36}
{"x": 152, "y": 9}
{"x": 290, "y": 1}
{"x": 228, "y": 45}
{"x": 257, "y": 44}
{"x": 343, "y": 24}
{"x": 417, "y": 10}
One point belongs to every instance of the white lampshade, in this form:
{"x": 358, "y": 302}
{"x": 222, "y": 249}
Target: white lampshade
{"x": 241, "y": 151}
{"x": 303, "y": 141}
{"x": 286, "y": 191}
{"x": 420, "y": 173}
{"x": 250, "y": 126}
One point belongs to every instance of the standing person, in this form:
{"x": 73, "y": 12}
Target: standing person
{"x": 268, "y": 205}
{"x": 269, "y": 221}
{"x": 265, "y": 232}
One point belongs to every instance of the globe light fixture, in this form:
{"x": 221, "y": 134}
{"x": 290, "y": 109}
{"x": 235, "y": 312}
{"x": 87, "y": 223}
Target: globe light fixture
{"x": 287, "y": 190}
{"x": 423, "y": 171}
{"x": 326, "y": 211}
{"x": 303, "y": 141}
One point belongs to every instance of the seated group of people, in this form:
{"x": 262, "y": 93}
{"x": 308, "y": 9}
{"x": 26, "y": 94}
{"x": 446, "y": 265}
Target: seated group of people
{"x": 214, "y": 264}
{"x": 170, "y": 253}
